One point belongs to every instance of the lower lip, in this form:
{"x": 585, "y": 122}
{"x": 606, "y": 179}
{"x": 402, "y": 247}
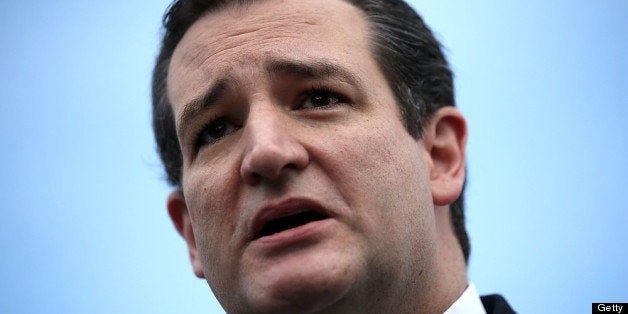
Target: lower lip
{"x": 308, "y": 231}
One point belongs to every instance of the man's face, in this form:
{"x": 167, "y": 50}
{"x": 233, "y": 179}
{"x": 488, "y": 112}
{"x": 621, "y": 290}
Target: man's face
{"x": 304, "y": 190}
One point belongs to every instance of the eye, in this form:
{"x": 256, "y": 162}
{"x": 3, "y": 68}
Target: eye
{"x": 321, "y": 98}
{"x": 214, "y": 131}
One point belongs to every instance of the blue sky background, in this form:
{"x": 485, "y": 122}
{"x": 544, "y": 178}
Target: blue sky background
{"x": 83, "y": 226}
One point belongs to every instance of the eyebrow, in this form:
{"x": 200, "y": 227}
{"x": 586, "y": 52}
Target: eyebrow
{"x": 207, "y": 100}
{"x": 309, "y": 70}
{"x": 298, "y": 69}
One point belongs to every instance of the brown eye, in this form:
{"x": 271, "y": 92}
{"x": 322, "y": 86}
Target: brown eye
{"x": 214, "y": 131}
{"x": 321, "y": 99}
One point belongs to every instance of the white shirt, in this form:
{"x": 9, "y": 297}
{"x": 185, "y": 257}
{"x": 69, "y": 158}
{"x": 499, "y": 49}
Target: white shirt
{"x": 468, "y": 303}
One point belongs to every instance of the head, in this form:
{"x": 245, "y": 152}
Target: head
{"x": 330, "y": 123}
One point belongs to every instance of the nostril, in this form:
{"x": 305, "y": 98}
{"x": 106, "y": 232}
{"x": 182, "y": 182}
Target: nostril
{"x": 269, "y": 160}
{"x": 255, "y": 170}
{"x": 253, "y": 178}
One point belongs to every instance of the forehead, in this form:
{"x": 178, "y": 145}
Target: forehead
{"x": 241, "y": 35}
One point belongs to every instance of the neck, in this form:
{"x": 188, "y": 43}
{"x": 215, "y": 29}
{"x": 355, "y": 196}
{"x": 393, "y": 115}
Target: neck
{"x": 452, "y": 268}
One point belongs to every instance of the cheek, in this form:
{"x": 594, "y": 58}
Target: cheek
{"x": 374, "y": 159}
{"x": 383, "y": 181}
{"x": 382, "y": 177}
{"x": 211, "y": 211}
{"x": 202, "y": 194}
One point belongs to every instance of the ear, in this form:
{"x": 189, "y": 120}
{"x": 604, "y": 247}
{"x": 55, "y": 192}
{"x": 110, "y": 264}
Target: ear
{"x": 445, "y": 139}
{"x": 178, "y": 211}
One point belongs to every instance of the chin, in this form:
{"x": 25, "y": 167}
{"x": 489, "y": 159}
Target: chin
{"x": 302, "y": 283}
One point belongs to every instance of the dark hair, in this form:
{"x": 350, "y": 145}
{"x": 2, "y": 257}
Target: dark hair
{"x": 409, "y": 56}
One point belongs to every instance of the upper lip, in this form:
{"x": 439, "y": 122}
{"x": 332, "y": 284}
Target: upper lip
{"x": 283, "y": 208}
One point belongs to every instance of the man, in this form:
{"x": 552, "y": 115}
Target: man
{"x": 317, "y": 157}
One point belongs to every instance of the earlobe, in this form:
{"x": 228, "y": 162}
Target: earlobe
{"x": 445, "y": 139}
{"x": 178, "y": 211}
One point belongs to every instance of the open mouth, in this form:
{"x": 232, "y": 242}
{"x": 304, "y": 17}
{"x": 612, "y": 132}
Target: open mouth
{"x": 289, "y": 222}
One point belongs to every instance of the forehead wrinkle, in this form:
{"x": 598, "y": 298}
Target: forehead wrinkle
{"x": 198, "y": 49}
{"x": 280, "y": 25}
{"x": 220, "y": 39}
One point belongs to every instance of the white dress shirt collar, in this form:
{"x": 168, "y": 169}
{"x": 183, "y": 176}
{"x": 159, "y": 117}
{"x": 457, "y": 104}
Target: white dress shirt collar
{"x": 468, "y": 303}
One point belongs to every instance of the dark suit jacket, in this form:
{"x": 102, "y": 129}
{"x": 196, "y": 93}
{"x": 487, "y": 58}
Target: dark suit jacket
{"x": 496, "y": 304}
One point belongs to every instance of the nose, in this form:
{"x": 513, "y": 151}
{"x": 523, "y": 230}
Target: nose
{"x": 272, "y": 146}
